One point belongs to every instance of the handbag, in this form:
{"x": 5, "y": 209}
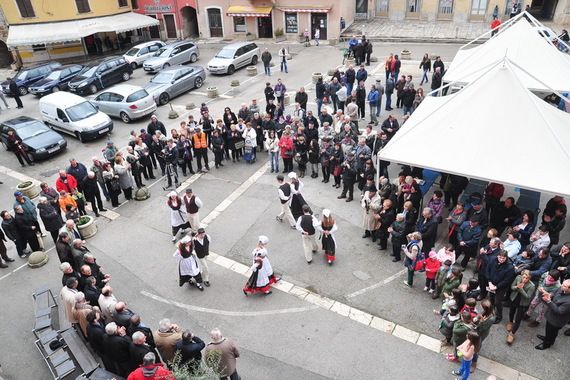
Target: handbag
{"x": 337, "y": 171}
{"x": 239, "y": 144}
{"x": 114, "y": 184}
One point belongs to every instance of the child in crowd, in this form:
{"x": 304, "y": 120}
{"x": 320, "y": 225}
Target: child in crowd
{"x": 471, "y": 289}
{"x": 71, "y": 213}
{"x": 452, "y": 281}
{"x": 79, "y": 199}
{"x": 467, "y": 350}
{"x": 432, "y": 267}
{"x": 460, "y": 330}
{"x": 454, "y": 299}
{"x": 446, "y": 324}
{"x": 66, "y": 199}
{"x": 440, "y": 278}
{"x": 469, "y": 306}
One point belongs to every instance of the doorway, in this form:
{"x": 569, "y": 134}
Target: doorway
{"x": 5, "y": 55}
{"x": 170, "y": 25}
{"x": 154, "y": 31}
{"x": 319, "y": 20}
{"x": 190, "y": 22}
{"x": 264, "y": 27}
{"x": 361, "y": 10}
{"x": 215, "y": 22}
{"x": 543, "y": 9}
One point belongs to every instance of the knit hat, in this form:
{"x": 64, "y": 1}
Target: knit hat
{"x": 432, "y": 254}
{"x": 18, "y": 194}
{"x": 326, "y": 213}
{"x": 263, "y": 239}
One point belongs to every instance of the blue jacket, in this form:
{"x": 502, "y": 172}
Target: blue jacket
{"x": 79, "y": 172}
{"x": 361, "y": 75}
{"x": 373, "y": 98}
{"x": 28, "y": 206}
{"x": 470, "y": 235}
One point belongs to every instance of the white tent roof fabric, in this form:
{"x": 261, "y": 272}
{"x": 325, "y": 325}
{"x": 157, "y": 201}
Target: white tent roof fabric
{"x": 46, "y": 33}
{"x": 521, "y": 43}
{"x": 482, "y": 132}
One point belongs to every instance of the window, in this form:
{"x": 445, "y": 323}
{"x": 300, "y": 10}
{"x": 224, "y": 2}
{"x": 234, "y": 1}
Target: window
{"x": 414, "y": 6}
{"x": 291, "y": 23}
{"x": 83, "y": 6}
{"x": 135, "y": 4}
{"x": 144, "y": 50}
{"x": 26, "y": 8}
{"x": 445, "y": 7}
{"x": 61, "y": 115}
{"x": 239, "y": 24}
{"x": 123, "y": 3}
{"x": 478, "y": 7}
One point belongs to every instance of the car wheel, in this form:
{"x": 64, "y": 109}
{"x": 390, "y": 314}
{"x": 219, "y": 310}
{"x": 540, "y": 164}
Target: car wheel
{"x": 166, "y": 65}
{"x": 78, "y": 135}
{"x": 55, "y": 89}
{"x": 93, "y": 89}
{"x": 134, "y": 65}
{"x": 198, "y": 82}
{"x": 231, "y": 69}
{"x": 23, "y": 90}
{"x": 254, "y": 60}
{"x": 193, "y": 58}
{"x": 126, "y": 119}
{"x": 163, "y": 98}
{"x": 126, "y": 76}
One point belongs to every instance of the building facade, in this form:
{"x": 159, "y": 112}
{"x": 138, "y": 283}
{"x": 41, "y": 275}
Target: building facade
{"x": 5, "y": 55}
{"x": 178, "y": 18}
{"x": 460, "y": 10}
{"x": 40, "y": 30}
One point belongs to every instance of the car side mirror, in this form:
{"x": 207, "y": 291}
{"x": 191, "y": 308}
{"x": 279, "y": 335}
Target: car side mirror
{"x": 173, "y": 81}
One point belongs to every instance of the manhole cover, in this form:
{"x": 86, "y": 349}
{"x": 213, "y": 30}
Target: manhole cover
{"x": 361, "y": 275}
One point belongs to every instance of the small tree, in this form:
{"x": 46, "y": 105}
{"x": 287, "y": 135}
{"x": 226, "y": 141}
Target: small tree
{"x": 208, "y": 369}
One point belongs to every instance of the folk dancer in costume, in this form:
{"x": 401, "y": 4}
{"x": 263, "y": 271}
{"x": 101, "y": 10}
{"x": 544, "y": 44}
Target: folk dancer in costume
{"x": 328, "y": 227}
{"x": 285, "y": 196}
{"x": 188, "y": 268}
{"x": 297, "y": 200}
{"x": 260, "y": 281}
{"x": 371, "y": 203}
{"x": 307, "y": 224}
{"x": 193, "y": 205}
{"x": 177, "y": 215}
{"x": 202, "y": 248}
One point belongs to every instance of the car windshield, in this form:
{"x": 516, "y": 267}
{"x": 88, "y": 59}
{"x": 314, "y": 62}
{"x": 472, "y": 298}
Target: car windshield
{"x": 132, "y": 52}
{"x": 32, "y": 130}
{"x": 162, "y": 78}
{"x": 137, "y": 96}
{"x": 81, "y": 111}
{"x": 88, "y": 72}
{"x": 226, "y": 53}
{"x": 163, "y": 52}
{"x": 21, "y": 75}
{"x": 54, "y": 75}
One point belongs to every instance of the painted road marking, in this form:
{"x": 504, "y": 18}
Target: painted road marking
{"x": 22, "y": 266}
{"x": 377, "y": 285}
{"x": 17, "y": 175}
{"x": 228, "y": 313}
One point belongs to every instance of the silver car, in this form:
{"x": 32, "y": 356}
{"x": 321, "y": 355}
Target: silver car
{"x": 174, "y": 81}
{"x": 234, "y": 56}
{"x": 136, "y": 55}
{"x": 173, "y": 54}
{"x": 125, "y": 101}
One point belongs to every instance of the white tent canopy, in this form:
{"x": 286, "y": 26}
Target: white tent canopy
{"x": 493, "y": 129}
{"x": 64, "y": 31}
{"x": 521, "y": 43}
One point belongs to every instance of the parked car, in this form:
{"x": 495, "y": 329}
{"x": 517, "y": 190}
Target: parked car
{"x": 72, "y": 114}
{"x": 101, "y": 74}
{"x": 57, "y": 80}
{"x": 139, "y": 53}
{"x": 174, "y": 81}
{"x": 30, "y": 75}
{"x": 125, "y": 101}
{"x": 172, "y": 54}
{"x": 39, "y": 141}
{"x": 234, "y": 56}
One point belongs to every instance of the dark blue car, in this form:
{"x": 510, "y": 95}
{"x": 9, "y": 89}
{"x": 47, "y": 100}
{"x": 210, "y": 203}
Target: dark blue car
{"x": 56, "y": 81}
{"x": 39, "y": 141}
{"x": 30, "y": 75}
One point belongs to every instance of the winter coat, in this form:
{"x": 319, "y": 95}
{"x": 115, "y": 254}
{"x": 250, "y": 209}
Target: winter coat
{"x": 125, "y": 180}
{"x": 432, "y": 267}
{"x": 50, "y": 216}
{"x": 501, "y": 275}
{"x": 69, "y": 184}
{"x": 525, "y": 293}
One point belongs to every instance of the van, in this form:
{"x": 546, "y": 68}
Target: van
{"x": 234, "y": 56}
{"x": 72, "y": 114}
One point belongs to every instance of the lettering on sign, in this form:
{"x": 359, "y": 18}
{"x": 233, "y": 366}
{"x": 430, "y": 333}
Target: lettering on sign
{"x": 158, "y": 8}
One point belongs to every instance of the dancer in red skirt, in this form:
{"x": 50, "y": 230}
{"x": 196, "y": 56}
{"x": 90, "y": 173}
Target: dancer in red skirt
{"x": 262, "y": 276}
{"x": 327, "y": 228}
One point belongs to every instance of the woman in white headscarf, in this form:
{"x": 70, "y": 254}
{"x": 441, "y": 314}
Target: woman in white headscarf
{"x": 188, "y": 268}
{"x": 177, "y": 215}
{"x": 327, "y": 228}
{"x": 262, "y": 276}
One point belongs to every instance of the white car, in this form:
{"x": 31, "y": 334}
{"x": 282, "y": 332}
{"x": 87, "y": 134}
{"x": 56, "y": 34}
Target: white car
{"x": 139, "y": 53}
{"x": 125, "y": 101}
{"x": 234, "y": 56}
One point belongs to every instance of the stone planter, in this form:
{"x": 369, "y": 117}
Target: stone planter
{"x": 316, "y": 77}
{"x": 87, "y": 227}
{"x": 287, "y": 100}
{"x": 212, "y": 92}
{"x": 249, "y": 37}
{"x": 406, "y": 55}
{"x": 142, "y": 194}
{"x": 190, "y": 106}
{"x": 29, "y": 188}
{"x": 38, "y": 259}
{"x": 373, "y": 59}
{"x": 350, "y": 62}
{"x": 234, "y": 83}
{"x": 331, "y": 72}
{"x": 251, "y": 71}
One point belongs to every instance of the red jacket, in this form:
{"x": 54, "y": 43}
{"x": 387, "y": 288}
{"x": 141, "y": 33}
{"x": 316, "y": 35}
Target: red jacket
{"x": 159, "y": 373}
{"x": 495, "y": 190}
{"x": 67, "y": 187}
{"x": 432, "y": 266}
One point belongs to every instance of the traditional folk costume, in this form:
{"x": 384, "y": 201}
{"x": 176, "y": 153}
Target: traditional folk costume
{"x": 193, "y": 204}
{"x": 262, "y": 276}
{"x": 327, "y": 228}
{"x": 372, "y": 204}
{"x": 307, "y": 224}
{"x": 188, "y": 268}
{"x": 177, "y": 214}
{"x": 297, "y": 200}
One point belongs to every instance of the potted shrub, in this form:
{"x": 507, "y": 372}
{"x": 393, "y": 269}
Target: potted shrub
{"x": 87, "y": 226}
{"x": 29, "y": 188}
{"x": 249, "y": 36}
{"x": 279, "y": 35}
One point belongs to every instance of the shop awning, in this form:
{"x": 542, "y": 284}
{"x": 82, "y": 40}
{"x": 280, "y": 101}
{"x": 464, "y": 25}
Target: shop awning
{"x": 247, "y": 11}
{"x": 304, "y": 9}
{"x": 54, "y": 32}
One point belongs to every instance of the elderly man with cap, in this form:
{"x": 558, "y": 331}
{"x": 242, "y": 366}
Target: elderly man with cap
{"x": 478, "y": 211}
{"x": 65, "y": 182}
{"x": 51, "y": 217}
{"x": 92, "y": 193}
{"x": 29, "y": 209}
{"x": 371, "y": 203}
{"x": 193, "y": 205}
{"x": 109, "y": 152}
{"x": 98, "y": 169}
{"x": 307, "y": 224}
{"x": 202, "y": 248}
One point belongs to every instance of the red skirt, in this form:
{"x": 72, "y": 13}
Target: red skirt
{"x": 253, "y": 290}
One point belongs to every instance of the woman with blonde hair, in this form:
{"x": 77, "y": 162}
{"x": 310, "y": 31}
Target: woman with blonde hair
{"x": 327, "y": 228}
{"x": 522, "y": 290}
{"x": 413, "y": 252}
